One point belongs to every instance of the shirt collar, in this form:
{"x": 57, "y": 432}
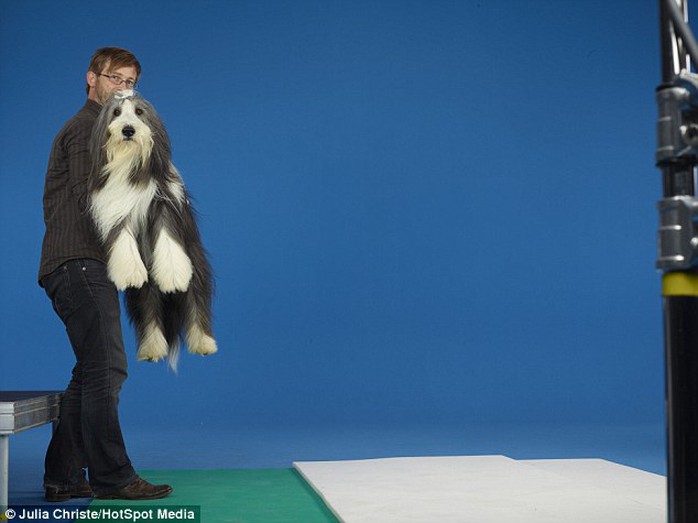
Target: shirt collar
{"x": 93, "y": 107}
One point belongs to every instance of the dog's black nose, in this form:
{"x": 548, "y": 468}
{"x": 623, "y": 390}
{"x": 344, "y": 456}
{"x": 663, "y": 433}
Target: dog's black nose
{"x": 128, "y": 131}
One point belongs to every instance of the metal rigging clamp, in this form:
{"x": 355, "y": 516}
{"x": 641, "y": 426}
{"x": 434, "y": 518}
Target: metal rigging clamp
{"x": 677, "y": 153}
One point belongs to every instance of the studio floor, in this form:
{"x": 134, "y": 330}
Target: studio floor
{"x": 272, "y": 450}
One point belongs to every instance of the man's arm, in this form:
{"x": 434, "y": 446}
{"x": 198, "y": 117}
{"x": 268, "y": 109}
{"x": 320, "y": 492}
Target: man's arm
{"x": 77, "y": 146}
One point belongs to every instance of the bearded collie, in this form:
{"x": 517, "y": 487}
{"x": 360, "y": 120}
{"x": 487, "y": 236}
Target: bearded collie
{"x": 146, "y": 223}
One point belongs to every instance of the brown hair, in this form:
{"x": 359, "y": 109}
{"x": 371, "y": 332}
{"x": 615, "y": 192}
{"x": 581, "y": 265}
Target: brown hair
{"x": 111, "y": 58}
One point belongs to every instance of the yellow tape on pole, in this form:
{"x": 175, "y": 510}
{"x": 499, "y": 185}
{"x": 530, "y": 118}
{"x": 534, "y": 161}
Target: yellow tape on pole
{"x": 680, "y": 284}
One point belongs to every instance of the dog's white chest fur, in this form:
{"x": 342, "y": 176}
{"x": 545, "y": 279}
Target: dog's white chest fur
{"x": 121, "y": 200}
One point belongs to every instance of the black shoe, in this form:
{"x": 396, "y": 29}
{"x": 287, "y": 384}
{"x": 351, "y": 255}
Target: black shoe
{"x": 82, "y": 490}
{"x": 138, "y": 489}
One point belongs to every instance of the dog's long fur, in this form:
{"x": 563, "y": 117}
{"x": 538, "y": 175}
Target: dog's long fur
{"x": 145, "y": 220}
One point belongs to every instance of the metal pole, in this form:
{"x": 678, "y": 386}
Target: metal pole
{"x": 681, "y": 335}
{"x": 677, "y": 157}
{"x": 4, "y": 471}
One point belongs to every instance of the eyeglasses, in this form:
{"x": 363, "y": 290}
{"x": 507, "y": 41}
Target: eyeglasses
{"x": 117, "y": 80}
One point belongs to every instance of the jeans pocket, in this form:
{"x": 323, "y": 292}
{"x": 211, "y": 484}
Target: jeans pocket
{"x": 57, "y": 287}
{"x": 93, "y": 274}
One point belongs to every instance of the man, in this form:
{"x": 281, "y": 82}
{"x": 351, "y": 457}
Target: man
{"x": 74, "y": 276}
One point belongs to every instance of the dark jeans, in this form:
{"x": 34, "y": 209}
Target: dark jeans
{"x": 89, "y": 434}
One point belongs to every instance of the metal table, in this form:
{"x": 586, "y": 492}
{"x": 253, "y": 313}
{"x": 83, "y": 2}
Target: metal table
{"x": 22, "y": 410}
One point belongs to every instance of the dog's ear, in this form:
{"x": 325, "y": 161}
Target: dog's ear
{"x": 161, "y": 153}
{"x": 97, "y": 152}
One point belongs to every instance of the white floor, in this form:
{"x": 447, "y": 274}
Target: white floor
{"x": 487, "y": 489}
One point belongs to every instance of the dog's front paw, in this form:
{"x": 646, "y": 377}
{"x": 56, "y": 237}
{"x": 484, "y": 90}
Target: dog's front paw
{"x": 126, "y": 269}
{"x": 127, "y": 272}
{"x": 172, "y": 268}
{"x": 153, "y": 346}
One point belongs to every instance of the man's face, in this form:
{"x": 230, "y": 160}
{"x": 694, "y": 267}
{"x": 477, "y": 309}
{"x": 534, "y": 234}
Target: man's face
{"x": 103, "y": 86}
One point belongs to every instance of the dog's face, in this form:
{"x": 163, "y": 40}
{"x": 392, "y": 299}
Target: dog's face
{"x": 128, "y": 125}
{"x": 129, "y": 138}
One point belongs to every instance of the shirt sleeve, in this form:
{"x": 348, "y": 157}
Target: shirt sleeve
{"x": 77, "y": 146}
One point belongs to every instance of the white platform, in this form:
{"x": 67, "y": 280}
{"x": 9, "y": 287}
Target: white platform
{"x": 487, "y": 489}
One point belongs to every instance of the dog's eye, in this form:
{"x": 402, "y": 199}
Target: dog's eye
{"x": 117, "y": 112}
{"x": 139, "y": 111}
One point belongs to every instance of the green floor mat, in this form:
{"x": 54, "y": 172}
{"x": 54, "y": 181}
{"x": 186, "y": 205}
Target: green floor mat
{"x": 222, "y": 496}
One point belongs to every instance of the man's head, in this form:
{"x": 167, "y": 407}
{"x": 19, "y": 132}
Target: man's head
{"x": 111, "y": 69}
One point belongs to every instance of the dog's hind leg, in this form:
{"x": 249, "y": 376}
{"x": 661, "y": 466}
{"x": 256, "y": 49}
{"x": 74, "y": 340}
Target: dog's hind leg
{"x": 144, "y": 307}
{"x": 197, "y": 325}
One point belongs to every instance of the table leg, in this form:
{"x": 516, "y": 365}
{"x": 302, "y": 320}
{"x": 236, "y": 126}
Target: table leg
{"x": 4, "y": 470}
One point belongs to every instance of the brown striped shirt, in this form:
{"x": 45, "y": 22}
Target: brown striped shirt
{"x": 69, "y": 230}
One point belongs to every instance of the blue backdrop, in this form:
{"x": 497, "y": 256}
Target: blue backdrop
{"x": 417, "y": 211}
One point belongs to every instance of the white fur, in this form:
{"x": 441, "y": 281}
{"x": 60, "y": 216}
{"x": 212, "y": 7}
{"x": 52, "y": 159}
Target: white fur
{"x": 172, "y": 268}
{"x": 119, "y": 199}
{"x": 124, "y": 93}
{"x": 198, "y": 342}
{"x": 125, "y": 267}
{"x": 153, "y": 346}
